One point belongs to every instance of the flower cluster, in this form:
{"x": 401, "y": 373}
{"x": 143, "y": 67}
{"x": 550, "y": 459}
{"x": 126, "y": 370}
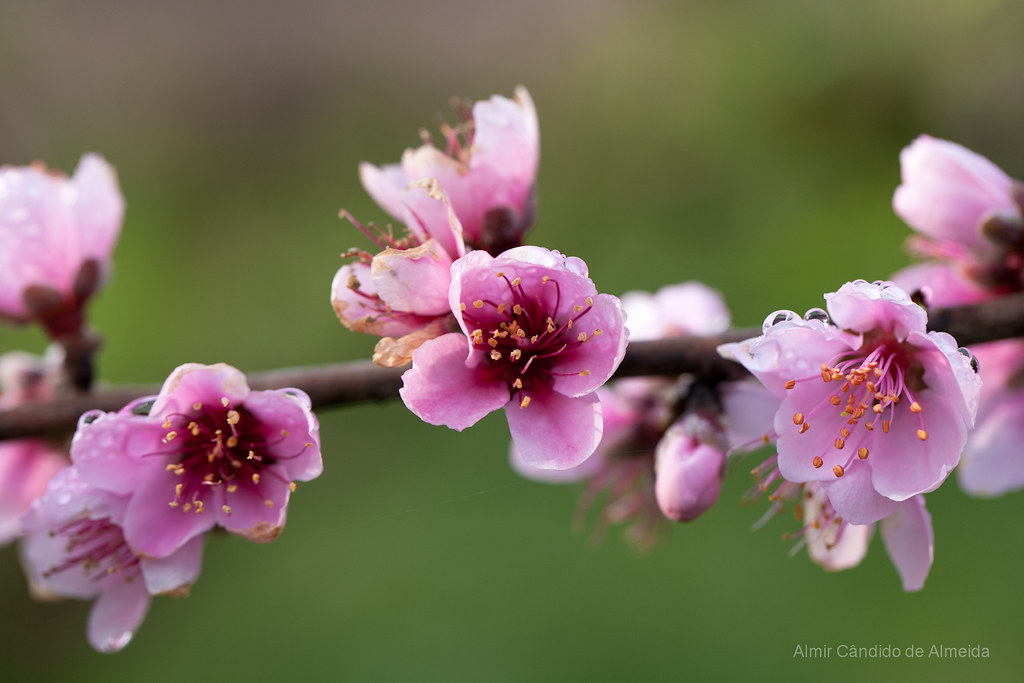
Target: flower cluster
{"x": 867, "y": 410}
{"x": 124, "y": 517}
{"x": 486, "y": 321}
{"x": 147, "y": 482}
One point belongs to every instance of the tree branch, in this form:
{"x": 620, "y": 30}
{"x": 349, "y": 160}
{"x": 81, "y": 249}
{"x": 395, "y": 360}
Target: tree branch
{"x": 358, "y": 381}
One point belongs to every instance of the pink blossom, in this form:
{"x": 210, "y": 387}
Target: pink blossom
{"x": 56, "y": 239}
{"x": 873, "y": 406}
{"x": 689, "y": 465}
{"x": 75, "y": 547}
{"x": 948, "y": 191}
{"x": 401, "y": 293}
{"x": 674, "y": 310}
{"x": 206, "y": 451}
{"x": 487, "y": 168}
{"x": 537, "y": 339}
{"x": 26, "y": 465}
{"x": 835, "y": 544}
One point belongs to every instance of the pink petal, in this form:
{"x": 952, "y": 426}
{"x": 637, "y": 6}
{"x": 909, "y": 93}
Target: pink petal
{"x": 788, "y": 350}
{"x": 178, "y": 570}
{"x": 197, "y": 383}
{"x": 116, "y": 615}
{"x": 993, "y": 462}
{"x": 110, "y": 449}
{"x": 250, "y": 516}
{"x": 296, "y": 437}
{"x": 862, "y": 306}
{"x": 153, "y": 527}
{"x": 555, "y": 431}
{"x": 99, "y": 208}
{"x": 907, "y": 535}
{"x": 442, "y": 390}
{"x": 26, "y": 467}
{"x": 599, "y": 355}
{"x": 833, "y": 546}
{"x": 385, "y": 184}
{"x": 429, "y": 214}
{"x": 942, "y": 284}
{"x": 358, "y": 306}
{"x": 854, "y": 497}
{"x": 414, "y": 280}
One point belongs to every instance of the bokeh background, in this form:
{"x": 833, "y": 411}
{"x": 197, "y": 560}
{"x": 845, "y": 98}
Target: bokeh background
{"x": 750, "y": 145}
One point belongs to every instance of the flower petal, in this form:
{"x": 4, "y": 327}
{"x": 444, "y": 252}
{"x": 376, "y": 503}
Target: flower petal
{"x": 441, "y": 389}
{"x": 908, "y": 538}
{"x": 555, "y": 431}
{"x": 116, "y": 615}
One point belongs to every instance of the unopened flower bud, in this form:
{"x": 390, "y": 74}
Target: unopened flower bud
{"x": 688, "y": 473}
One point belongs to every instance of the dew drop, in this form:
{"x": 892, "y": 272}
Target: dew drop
{"x": 777, "y": 317}
{"x": 972, "y": 359}
{"x": 817, "y": 314}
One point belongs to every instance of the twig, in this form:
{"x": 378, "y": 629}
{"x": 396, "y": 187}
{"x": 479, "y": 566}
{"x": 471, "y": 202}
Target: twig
{"x": 354, "y": 382}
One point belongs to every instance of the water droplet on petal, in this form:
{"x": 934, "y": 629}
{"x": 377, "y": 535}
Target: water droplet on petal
{"x": 817, "y": 314}
{"x": 118, "y": 643}
{"x": 778, "y": 317}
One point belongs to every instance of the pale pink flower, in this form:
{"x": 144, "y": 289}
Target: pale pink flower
{"x": 401, "y": 293}
{"x": 873, "y": 406}
{"x": 537, "y": 339}
{"x": 75, "y": 547}
{"x": 835, "y": 544}
{"x": 688, "y": 308}
{"x": 26, "y": 465}
{"x": 57, "y": 235}
{"x": 948, "y": 192}
{"x": 487, "y": 167}
{"x": 969, "y": 216}
{"x": 207, "y": 451}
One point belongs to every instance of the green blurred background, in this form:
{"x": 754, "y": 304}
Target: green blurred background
{"x": 750, "y": 145}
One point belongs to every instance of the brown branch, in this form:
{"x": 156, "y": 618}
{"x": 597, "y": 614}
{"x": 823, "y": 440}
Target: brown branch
{"x": 359, "y": 381}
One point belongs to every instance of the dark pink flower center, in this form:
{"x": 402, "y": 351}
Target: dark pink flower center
{"x": 869, "y": 388}
{"x": 521, "y": 338}
{"x": 220, "y": 448}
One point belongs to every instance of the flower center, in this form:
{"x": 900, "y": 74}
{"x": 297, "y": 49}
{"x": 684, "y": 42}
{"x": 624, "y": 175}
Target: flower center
{"x": 523, "y": 335}
{"x": 221, "y": 448}
{"x": 872, "y": 389}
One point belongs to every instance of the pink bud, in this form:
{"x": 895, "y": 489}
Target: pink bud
{"x": 948, "y": 191}
{"x": 56, "y": 238}
{"x": 688, "y": 472}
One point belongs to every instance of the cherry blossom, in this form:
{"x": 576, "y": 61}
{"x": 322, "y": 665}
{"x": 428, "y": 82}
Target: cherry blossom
{"x": 57, "y": 235}
{"x": 873, "y": 406}
{"x": 487, "y": 167}
{"x": 536, "y": 339}
{"x": 207, "y": 451}
{"x": 75, "y": 547}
